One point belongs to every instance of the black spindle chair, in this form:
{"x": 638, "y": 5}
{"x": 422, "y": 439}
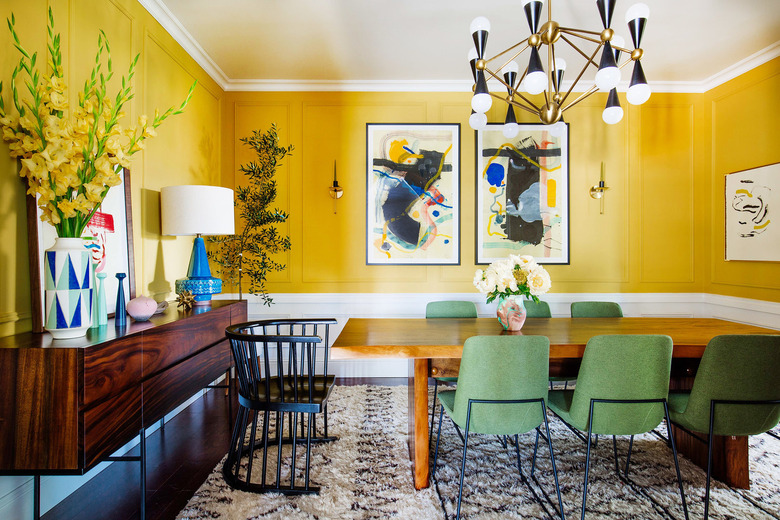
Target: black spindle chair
{"x": 281, "y": 367}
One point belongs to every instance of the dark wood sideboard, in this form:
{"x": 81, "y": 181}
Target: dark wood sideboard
{"x": 66, "y": 405}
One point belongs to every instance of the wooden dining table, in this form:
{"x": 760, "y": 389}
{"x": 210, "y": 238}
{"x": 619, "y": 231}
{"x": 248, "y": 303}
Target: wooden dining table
{"x": 434, "y": 347}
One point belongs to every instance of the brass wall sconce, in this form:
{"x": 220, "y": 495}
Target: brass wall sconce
{"x": 334, "y": 189}
{"x": 597, "y": 191}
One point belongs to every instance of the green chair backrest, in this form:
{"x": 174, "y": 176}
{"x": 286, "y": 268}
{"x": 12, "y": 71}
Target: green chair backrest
{"x": 451, "y": 309}
{"x": 502, "y": 368}
{"x": 596, "y": 310}
{"x": 538, "y": 309}
{"x": 737, "y": 367}
{"x": 622, "y": 367}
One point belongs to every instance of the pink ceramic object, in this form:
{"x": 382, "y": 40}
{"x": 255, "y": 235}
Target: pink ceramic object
{"x": 511, "y": 312}
{"x": 141, "y": 308}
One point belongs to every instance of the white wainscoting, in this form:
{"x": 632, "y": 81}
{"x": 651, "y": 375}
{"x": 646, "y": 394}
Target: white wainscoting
{"x": 343, "y": 306}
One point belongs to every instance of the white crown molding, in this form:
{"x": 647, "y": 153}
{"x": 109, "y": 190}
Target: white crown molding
{"x": 174, "y": 27}
{"x": 170, "y": 23}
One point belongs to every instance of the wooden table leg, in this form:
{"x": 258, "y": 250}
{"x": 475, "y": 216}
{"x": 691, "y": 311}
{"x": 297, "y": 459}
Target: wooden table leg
{"x": 418, "y": 421}
{"x": 730, "y": 462}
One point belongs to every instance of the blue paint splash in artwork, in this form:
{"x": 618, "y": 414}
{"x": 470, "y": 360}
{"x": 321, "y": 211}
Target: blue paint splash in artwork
{"x": 495, "y": 174}
{"x": 416, "y": 190}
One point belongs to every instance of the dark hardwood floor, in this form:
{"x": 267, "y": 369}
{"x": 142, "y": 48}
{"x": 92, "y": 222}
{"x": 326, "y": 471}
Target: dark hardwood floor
{"x": 179, "y": 458}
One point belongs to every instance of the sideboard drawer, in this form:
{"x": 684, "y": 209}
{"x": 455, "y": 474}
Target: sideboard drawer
{"x": 110, "y": 425}
{"x": 165, "y": 391}
{"x": 172, "y": 344}
{"x": 112, "y": 367}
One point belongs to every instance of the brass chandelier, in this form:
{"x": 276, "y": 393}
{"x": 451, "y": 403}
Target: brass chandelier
{"x": 535, "y": 80}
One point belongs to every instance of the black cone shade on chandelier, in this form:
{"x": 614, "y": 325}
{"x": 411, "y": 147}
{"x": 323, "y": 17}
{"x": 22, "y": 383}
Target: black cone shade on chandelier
{"x": 544, "y": 74}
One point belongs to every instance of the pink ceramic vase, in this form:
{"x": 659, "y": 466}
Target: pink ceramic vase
{"x": 511, "y": 312}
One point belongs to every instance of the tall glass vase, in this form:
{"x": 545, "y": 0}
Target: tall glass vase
{"x": 67, "y": 273}
{"x": 511, "y": 312}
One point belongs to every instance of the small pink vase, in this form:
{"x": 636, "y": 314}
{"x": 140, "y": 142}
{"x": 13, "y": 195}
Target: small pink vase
{"x": 511, "y": 312}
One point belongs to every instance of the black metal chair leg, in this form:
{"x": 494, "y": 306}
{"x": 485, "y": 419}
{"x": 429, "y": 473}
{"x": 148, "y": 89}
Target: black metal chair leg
{"x": 536, "y": 447}
{"x": 294, "y": 445}
{"x": 463, "y": 466}
{"x": 614, "y": 449}
{"x": 308, "y": 450}
{"x": 587, "y": 463}
{"x": 517, "y": 451}
{"x": 433, "y": 408}
{"x": 628, "y": 457}
{"x": 677, "y": 463}
{"x": 438, "y": 436}
{"x": 252, "y": 439}
{"x": 552, "y": 458}
{"x": 709, "y": 461}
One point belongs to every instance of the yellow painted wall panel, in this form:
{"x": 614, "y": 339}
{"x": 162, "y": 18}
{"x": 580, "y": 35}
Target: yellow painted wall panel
{"x": 743, "y": 138}
{"x": 666, "y": 196}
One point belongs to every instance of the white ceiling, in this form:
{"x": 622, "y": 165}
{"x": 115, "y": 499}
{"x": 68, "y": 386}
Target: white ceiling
{"x": 690, "y": 45}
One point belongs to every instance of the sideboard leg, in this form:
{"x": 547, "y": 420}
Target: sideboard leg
{"x": 143, "y": 474}
{"x": 37, "y": 497}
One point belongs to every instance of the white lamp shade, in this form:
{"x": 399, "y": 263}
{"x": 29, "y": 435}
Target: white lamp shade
{"x": 193, "y": 209}
{"x": 481, "y": 103}
{"x": 638, "y": 94}
{"x": 510, "y": 130}
{"x": 607, "y": 78}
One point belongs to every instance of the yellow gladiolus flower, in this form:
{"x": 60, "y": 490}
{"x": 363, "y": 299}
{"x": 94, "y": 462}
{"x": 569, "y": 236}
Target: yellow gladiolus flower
{"x": 94, "y": 192}
{"x": 58, "y": 101}
{"x": 67, "y": 207}
{"x": 36, "y": 166}
{"x": 57, "y": 84}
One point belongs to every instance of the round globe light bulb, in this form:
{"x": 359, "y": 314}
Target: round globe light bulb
{"x": 557, "y": 129}
{"x": 535, "y": 82}
{"x": 638, "y": 94}
{"x": 481, "y": 103}
{"x": 607, "y": 78}
{"x": 612, "y": 115}
{"x": 473, "y": 54}
{"x": 480, "y": 23}
{"x": 639, "y": 10}
{"x": 511, "y": 130}
{"x": 560, "y": 64}
{"x": 617, "y": 41}
{"x": 478, "y": 121}
{"x": 512, "y": 66}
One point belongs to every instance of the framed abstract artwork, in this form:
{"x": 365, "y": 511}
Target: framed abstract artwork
{"x": 111, "y": 245}
{"x": 413, "y": 194}
{"x": 522, "y": 194}
{"x": 752, "y": 223}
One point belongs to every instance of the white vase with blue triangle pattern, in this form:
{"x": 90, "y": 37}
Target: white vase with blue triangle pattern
{"x": 67, "y": 273}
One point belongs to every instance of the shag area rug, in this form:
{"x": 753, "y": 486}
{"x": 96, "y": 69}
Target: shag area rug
{"x": 366, "y": 474}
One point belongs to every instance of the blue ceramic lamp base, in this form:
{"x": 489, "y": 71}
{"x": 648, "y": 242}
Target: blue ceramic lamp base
{"x": 199, "y": 280}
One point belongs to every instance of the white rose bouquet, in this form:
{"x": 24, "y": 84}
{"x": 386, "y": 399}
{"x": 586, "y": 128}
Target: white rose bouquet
{"x": 514, "y": 275}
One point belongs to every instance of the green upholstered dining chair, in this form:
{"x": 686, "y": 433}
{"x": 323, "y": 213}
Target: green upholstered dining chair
{"x": 502, "y": 387}
{"x": 447, "y": 309}
{"x": 622, "y": 389}
{"x": 596, "y": 310}
{"x": 538, "y": 309}
{"x": 736, "y": 373}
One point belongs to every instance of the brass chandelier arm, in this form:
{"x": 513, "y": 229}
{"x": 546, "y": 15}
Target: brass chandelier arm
{"x": 590, "y": 60}
{"x": 572, "y": 30}
{"x": 572, "y": 33}
{"x": 534, "y": 111}
{"x": 524, "y": 42}
{"x": 574, "y": 46}
{"x": 512, "y": 89}
{"x": 584, "y": 95}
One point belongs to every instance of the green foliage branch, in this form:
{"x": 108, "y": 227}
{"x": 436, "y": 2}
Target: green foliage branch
{"x": 249, "y": 253}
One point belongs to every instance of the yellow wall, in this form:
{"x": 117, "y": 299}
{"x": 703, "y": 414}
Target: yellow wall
{"x": 186, "y": 150}
{"x": 745, "y": 134}
{"x": 648, "y": 240}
